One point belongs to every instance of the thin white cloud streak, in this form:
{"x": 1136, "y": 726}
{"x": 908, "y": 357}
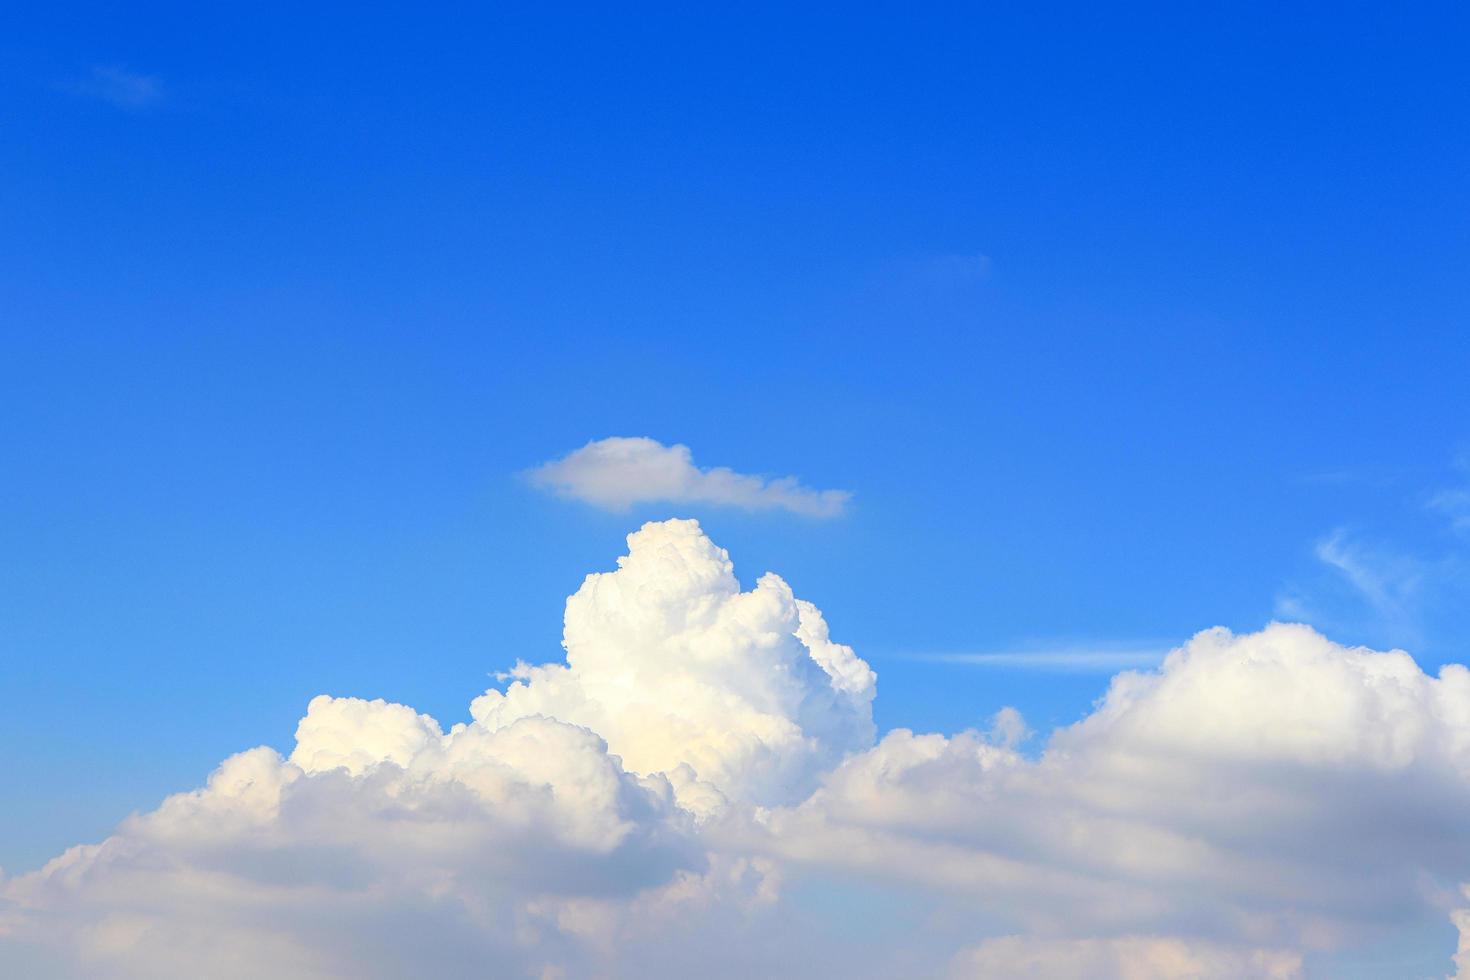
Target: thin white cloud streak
{"x": 1388, "y": 584}
{"x": 1086, "y": 658}
{"x": 1391, "y": 592}
{"x": 638, "y": 811}
{"x": 1383, "y": 593}
{"x": 619, "y": 472}
{"x": 1454, "y": 502}
{"x": 1455, "y": 505}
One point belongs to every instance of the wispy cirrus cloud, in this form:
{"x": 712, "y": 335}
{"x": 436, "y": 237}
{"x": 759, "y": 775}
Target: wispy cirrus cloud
{"x": 619, "y": 472}
{"x": 1366, "y": 587}
{"x": 1454, "y": 502}
{"x": 1455, "y": 505}
{"x": 1403, "y": 584}
{"x": 1390, "y": 584}
{"x": 119, "y": 87}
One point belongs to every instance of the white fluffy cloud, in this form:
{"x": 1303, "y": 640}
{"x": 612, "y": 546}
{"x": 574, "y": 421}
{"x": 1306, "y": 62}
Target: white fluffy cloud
{"x": 679, "y": 795}
{"x": 1270, "y": 790}
{"x": 516, "y": 844}
{"x": 618, "y": 472}
{"x": 681, "y": 671}
{"x": 460, "y": 849}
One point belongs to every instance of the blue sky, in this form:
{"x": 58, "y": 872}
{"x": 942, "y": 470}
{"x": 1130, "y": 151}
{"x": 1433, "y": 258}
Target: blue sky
{"x": 1117, "y": 324}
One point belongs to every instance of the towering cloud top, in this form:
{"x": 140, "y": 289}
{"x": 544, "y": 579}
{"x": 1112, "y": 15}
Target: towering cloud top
{"x": 670, "y": 662}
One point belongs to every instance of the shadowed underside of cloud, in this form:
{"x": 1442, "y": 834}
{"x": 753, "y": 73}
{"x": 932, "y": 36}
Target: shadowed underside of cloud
{"x": 669, "y": 800}
{"x": 619, "y": 472}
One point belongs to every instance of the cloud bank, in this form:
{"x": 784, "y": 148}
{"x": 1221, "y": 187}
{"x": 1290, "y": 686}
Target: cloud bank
{"x": 697, "y": 790}
{"x": 617, "y": 473}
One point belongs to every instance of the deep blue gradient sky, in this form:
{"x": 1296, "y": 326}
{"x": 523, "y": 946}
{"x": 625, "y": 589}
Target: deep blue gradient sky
{"x": 1109, "y": 320}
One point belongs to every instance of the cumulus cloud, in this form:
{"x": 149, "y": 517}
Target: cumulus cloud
{"x": 520, "y": 839}
{"x": 618, "y": 472}
{"x": 326, "y": 865}
{"x": 669, "y": 800}
{"x": 1273, "y": 789}
{"x": 676, "y": 667}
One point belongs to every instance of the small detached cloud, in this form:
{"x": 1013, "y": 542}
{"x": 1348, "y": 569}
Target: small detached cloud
{"x": 619, "y": 472}
{"x": 119, "y": 87}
